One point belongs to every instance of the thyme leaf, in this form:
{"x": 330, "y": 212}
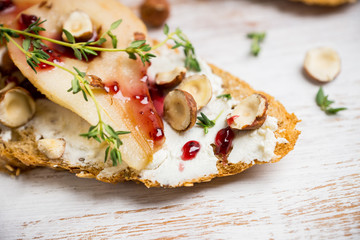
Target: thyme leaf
{"x": 257, "y": 38}
{"x": 205, "y": 122}
{"x": 227, "y": 96}
{"x": 324, "y": 103}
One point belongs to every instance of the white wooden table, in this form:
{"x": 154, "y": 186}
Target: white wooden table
{"x": 314, "y": 192}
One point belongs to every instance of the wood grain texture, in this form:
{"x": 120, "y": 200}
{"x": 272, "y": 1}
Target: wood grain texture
{"x": 314, "y": 192}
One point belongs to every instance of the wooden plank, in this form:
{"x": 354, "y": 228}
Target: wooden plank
{"x": 313, "y": 193}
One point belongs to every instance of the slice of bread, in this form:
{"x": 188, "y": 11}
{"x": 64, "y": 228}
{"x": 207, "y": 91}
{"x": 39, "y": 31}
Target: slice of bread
{"x": 21, "y": 150}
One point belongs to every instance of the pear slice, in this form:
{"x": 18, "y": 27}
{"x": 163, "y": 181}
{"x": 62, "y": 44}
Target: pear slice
{"x": 118, "y": 110}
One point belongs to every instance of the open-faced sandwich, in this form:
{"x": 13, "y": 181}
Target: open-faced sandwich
{"x": 90, "y": 93}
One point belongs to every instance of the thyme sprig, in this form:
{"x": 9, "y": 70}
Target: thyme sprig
{"x": 83, "y": 49}
{"x": 205, "y": 122}
{"x": 324, "y": 103}
{"x": 101, "y": 132}
{"x": 181, "y": 40}
{"x": 257, "y": 38}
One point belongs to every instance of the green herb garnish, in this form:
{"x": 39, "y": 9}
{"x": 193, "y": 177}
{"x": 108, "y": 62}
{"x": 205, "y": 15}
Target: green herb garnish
{"x": 181, "y": 40}
{"x": 257, "y": 38}
{"x": 227, "y": 96}
{"x": 205, "y": 122}
{"x": 81, "y": 49}
{"x": 324, "y": 103}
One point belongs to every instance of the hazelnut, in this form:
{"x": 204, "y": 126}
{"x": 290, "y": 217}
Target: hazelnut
{"x": 322, "y": 64}
{"x": 154, "y": 12}
{"x": 17, "y": 107}
{"x": 170, "y": 79}
{"x": 79, "y": 25}
{"x": 180, "y": 110}
{"x": 250, "y": 113}
{"x": 199, "y": 86}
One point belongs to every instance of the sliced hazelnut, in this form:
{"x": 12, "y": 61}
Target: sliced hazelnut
{"x": 180, "y": 110}
{"x": 154, "y": 12}
{"x": 322, "y": 64}
{"x": 79, "y": 25}
{"x": 199, "y": 87}
{"x": 249, "y": 114}
{"x": 17, "y": 107}
{"x": 170, "y": 79}
{"x": 52, "y": 148}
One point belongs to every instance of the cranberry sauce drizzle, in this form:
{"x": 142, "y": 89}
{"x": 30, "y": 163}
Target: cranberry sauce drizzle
{"x": 231, "y": 120}
{"x": 25, "y": 20}
{"x": 6, "y": 4}
{"x": 223, "y": 141}
{"x": 190, "y": 150}
{"x": 112, "y": 87}
{"x": 141, "y": 108}
{"x": 158, "y": 97}
{"x": 148, "y": 115}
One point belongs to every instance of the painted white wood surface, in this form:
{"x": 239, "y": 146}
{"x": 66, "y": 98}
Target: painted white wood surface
{"x": 314, "y": 192}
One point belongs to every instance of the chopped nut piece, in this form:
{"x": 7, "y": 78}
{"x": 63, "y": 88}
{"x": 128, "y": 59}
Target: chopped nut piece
{"x": 199, "y": 87}
{"x": 155, "y": 12}
{"x": 249, "y": 114}
{"x": 94, "y": 81}
{"x": 79, "y": 25}
{"x": 322, "y": 64}
{"x": 170, "y": 79}
{"x": 180, "y": 110}
{"x": 52, "y": 148}
{"x": 17, "y": 107}
{"x": 139, "y": 36}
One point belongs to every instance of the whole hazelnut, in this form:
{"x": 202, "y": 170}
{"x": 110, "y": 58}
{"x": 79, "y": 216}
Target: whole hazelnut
{"x": 154, "y": 12}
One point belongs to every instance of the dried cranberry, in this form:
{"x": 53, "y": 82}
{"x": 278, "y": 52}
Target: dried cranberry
{"x": 223, "y": 141}
{"x": 190, "y": 150}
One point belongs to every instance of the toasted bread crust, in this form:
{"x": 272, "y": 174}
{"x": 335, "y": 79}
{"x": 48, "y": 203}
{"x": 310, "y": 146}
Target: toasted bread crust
{"x": 22, "y": 152}
{"x": 325, "y": 2}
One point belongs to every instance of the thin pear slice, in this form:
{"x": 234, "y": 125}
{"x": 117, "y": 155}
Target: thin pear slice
{"x": 117, "y": 110}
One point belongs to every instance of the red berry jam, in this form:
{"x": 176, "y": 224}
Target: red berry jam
{"x": 53, "y": 57}
{"x": 112, "y": 87}
{"x": 158, "y": 97}
{"x": 190, "y": 150}
{"x": 231, "y": 120}
{"x": 181, "y": 166}
{"x": 223, "y": 141}
{"x": 25, "y": 20}
{"x": 5, "y": 4}
{"x": 157, "y": 134}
